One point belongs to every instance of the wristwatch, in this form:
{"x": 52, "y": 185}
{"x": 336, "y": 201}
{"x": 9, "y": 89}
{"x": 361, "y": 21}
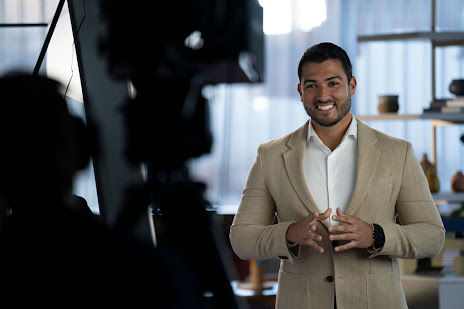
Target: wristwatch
{"x": 378, "y": 236}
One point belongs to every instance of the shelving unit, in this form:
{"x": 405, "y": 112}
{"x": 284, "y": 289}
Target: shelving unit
{"x": 448, "y": 198}
{"x": 437, "y": 119}
{"x": 390, "y": 116}
{"x": 437, "y": 39}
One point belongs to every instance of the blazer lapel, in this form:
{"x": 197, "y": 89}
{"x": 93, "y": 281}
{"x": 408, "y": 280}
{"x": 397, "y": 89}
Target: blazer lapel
{"x": 294, "y": 166}
{"x": 368, "y": 158}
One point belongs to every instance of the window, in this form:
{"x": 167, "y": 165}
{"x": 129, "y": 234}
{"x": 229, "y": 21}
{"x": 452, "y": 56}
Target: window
{"x": 22, "y": 34}
{"x": 245, "y": 115}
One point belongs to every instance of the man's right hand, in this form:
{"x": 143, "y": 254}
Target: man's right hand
{"x": 303, "y": 232}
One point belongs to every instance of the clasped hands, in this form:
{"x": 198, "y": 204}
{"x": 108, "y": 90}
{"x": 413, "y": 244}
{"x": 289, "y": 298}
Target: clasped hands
{"x": 357, "y": 232}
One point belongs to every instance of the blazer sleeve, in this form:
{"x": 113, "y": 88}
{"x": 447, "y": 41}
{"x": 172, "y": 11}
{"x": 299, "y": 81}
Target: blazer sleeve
{"x": 421, "y": 233}
{"x": 253, "y": 234}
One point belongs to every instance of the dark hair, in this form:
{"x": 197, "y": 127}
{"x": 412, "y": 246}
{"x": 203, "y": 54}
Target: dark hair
{"x": 325, "y": 51}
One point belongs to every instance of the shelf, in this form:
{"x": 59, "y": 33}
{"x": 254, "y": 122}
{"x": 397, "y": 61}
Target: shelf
{"x": 450, "y": 117}
{"x": 446, "y": 118}
{"x": 389, "y": 116}
{"x": 448, "y": 197}
{"x": 437, "y": 38}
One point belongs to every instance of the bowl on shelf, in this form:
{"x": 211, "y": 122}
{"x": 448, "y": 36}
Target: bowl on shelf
{"x": 457, "y": 87}
{"x": 388, "y": 104}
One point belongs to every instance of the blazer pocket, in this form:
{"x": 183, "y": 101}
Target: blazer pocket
{"x": 291, "y": 291}
{"x": 385, "y": 291}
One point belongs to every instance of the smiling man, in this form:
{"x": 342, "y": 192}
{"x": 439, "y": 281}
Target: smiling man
{"x": 337, "y": 187}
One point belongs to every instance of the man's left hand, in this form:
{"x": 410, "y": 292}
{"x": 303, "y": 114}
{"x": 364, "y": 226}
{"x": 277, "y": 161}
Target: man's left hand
{"x": 355, "y": 230}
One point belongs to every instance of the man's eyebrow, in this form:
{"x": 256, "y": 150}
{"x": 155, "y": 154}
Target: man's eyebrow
{"x": 332, "y": 77}
{"x": 326, "y": 80}
{"x": 309, "y": 81}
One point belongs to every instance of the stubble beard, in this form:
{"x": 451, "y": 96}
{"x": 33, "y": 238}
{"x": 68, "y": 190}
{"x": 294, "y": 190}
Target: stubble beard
{"x": 342, "y": 109}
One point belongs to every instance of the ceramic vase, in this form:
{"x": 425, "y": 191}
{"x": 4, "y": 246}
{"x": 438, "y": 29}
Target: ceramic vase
{"x": 457, "y": 182}
{"x": 431, "y": 174}
{"x": 388, "y": 104}
{"x": 457, "y": 87}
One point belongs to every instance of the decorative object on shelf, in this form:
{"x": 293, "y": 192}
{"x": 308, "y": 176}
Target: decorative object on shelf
{"x": 431, "y": 174}
{"x": 457, "y": 87}
{"x": 388, "y": 104}
{"x": 457, "y": 182}
{"x": 447, "y": 106}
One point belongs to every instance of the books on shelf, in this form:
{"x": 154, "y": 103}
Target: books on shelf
{"x": 456, "y": 102}
{"x": 446, "y": 106}
{"x": 452, "y": 109}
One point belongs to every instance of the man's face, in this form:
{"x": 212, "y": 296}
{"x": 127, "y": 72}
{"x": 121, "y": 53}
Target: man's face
{"x": 326, "y": 92}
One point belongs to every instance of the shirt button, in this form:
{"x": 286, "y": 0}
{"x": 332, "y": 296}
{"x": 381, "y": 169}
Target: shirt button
{"x": 332, "y": 185}
{"x": 329, "y": 279}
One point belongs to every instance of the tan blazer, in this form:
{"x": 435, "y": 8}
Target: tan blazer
{"x": 390, "y": 182}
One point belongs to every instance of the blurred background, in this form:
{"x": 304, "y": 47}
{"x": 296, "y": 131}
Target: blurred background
{"x": 243, "y": 115}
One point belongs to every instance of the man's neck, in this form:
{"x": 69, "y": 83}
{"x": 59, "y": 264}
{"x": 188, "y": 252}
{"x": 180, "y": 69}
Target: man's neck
{"x": 332, "y": 136}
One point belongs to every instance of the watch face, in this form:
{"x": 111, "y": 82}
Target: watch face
{"x": 379, "y": 237}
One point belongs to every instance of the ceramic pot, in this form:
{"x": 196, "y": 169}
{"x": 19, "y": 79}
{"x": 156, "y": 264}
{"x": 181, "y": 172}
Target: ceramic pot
{"x": 457, "y": 87}
{"x": 388, "y": 104}
{"x": 457, "y": 182}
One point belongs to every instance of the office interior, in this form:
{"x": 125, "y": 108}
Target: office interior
{"x": 409, "y": 49}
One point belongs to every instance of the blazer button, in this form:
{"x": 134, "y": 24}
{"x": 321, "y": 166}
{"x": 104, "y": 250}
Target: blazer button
{"x": 329, "y": 279}
{"x": 283, "y": 257}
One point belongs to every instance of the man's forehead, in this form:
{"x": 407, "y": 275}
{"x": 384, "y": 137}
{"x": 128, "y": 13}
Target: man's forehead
{"x": 323, "y": 70}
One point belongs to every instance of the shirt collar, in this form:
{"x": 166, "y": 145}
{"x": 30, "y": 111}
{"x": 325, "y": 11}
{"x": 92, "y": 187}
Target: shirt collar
{"x": 352, "y": 129}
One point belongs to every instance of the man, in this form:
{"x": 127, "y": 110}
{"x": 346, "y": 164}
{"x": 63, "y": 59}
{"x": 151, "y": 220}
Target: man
{"x": 337, "y": 188}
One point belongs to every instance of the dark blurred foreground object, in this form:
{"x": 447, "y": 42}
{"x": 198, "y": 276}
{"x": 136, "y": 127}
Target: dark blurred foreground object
{"x": 52, "y": 254}
{"x": 169, "y": 51}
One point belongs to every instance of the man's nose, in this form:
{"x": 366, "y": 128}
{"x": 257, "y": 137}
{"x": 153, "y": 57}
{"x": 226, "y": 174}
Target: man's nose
{"x": 324, "y": 94}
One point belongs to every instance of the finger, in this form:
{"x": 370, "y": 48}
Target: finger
{"x": 340, "y": 229}
{"x": 345, "y": 236}
{"x": 341, "y": 217}
{"x": 314, "y": 245}
{"x": 312, "y": 217}
{"x": 325, "y": 215}
{"x": 311, "y": 226}
{"x": 345, "y": 247}
{"x": 313, "y": 236}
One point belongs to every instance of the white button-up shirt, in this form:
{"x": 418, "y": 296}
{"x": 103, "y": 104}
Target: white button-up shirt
{"x": 331, "y": 176}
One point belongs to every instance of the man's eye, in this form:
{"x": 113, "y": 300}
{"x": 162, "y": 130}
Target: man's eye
{"x": 334, "y": 83}
{"x": 311, "y": 86}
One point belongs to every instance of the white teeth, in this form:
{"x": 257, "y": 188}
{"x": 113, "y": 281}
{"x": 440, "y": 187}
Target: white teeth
{"x": 325, "y": 107}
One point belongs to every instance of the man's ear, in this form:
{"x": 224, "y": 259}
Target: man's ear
{"x": 352, "y": 85}
{"x": 299, "y": 91}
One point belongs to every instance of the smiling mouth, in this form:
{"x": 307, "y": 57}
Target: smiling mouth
{"x": 325, "y": 107}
